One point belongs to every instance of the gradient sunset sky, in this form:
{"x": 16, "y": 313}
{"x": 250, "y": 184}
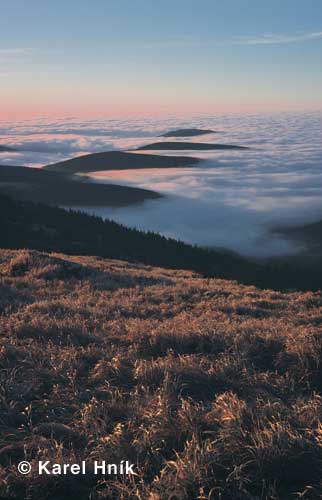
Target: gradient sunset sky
{"x": 119, "y": 57}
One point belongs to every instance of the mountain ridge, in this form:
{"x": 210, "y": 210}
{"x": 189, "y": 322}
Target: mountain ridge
{"x": 120, "y": 160}
{"x": 176, "y": 145}
{"x": 188, "y": 132}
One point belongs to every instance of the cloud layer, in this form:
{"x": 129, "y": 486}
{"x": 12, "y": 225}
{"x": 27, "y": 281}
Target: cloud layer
{"x": 232, "y": 200}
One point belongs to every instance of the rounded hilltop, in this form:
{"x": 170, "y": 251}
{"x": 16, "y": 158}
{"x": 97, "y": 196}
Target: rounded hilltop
{"x": 188, "y": 132}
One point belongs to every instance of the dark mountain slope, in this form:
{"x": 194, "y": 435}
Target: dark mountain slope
{"x": 39, "y": 185}
{"x": 119, "y": 160}
{"x": 3, "y": 149}
{"x": 187, "y": 146}
{"x": 188, "y": 132}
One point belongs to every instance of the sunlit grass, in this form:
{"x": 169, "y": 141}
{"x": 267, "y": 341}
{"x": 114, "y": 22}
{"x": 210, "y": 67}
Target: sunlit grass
{"x": 211, "y": 388}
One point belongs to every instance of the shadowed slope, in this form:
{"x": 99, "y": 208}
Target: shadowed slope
{"x": 3, "y": 149}
{"x": 309, "y": 234}
{"x": 188, "y": 132}
{"x": 119, "y": 160}
{"x": 27, "y": 225}
{"x": 38, "y": 185}
{"x": 187, "y": 146}
{"x": 49, "y": 228}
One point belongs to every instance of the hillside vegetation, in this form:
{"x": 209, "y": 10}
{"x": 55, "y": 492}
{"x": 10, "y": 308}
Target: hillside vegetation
{"x": 37, "y": 226}
{"x": 30, "y": 225}
{"x": 211, "y": 388}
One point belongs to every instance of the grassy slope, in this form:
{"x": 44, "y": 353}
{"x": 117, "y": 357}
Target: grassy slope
{"x": 38, "y": 185}
{"x": 213, "y": 389}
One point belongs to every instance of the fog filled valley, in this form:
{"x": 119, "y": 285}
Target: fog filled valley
{"x": 232, "y": 199}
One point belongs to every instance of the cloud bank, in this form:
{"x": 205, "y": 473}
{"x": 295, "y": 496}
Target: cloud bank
{"x": 232, "y": 200}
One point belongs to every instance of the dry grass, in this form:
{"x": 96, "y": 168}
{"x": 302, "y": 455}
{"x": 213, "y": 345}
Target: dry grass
{"x": 211, "y": 388}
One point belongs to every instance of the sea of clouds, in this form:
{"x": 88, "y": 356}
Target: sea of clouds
{"x": 232, "y": 200}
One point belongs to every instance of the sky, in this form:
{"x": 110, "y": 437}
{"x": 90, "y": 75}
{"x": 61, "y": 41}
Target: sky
{"x": 123, "y": 57}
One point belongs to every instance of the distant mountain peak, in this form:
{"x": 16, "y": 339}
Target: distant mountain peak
{"x": 188, "y": 132}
